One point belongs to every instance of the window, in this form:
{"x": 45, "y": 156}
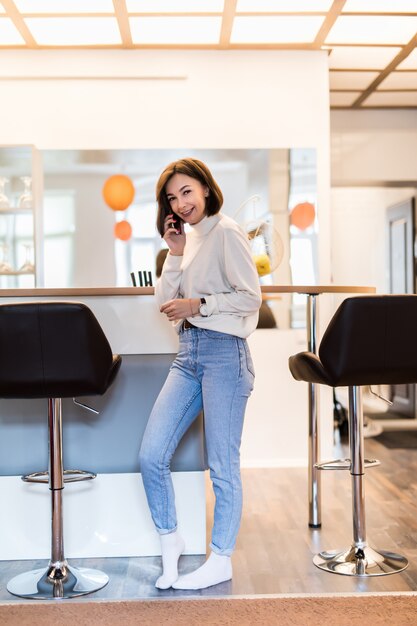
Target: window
{"x": 59, "y": 229}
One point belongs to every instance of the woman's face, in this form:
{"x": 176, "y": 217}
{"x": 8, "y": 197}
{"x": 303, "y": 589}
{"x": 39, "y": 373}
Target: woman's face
{"x": 187, "y": 197}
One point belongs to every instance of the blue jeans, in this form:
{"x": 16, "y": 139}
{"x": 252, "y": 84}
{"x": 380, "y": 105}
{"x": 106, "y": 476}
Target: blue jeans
{"x": 213, "y": 371}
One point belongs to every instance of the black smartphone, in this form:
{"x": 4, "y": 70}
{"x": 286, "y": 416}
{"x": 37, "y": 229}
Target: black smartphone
{"x": 176, "y": 223}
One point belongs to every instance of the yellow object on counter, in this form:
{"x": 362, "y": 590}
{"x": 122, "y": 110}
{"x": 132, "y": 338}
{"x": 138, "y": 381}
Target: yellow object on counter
{"x": 263, "y": 264}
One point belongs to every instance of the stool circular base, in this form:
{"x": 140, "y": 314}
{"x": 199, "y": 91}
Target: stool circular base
{"x": 46, "y": 584}
{"x": 362, "y": 562}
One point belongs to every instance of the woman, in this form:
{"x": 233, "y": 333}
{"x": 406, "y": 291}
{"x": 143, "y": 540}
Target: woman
{"x": 209, "y": 290}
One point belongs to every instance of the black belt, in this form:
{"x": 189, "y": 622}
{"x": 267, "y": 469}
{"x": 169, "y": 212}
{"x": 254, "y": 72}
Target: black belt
{"x": 187, "y": 325}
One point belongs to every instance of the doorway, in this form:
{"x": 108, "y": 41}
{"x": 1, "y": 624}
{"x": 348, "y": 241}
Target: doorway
{"x": 401, "y": 271}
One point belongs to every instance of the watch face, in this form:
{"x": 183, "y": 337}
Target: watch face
{"x": 203, "y": 310}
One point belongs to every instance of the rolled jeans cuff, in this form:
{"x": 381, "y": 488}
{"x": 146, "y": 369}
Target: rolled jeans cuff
{"x": 164, "y": 531}
{"x": 226, "y": 552}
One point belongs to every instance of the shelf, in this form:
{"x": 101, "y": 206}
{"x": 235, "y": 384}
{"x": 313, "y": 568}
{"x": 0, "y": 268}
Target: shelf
{"x": 15, "y": 210}
{"x": 17, "y": 273}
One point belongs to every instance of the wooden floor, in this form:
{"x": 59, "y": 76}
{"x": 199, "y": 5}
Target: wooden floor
{"x": 275, "y": 546}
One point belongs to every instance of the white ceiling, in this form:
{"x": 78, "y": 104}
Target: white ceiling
{"x": 372, "y": 44}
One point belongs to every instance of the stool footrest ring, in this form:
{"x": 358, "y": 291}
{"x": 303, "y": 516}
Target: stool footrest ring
{"x": 344, "y": 464}
{"x": 70, "y": 476}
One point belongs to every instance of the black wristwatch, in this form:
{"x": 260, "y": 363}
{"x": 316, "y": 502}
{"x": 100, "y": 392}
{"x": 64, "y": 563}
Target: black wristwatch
{"x": 203, "y": 310}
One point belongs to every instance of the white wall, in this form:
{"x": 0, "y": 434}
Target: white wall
{"x": 373, "y": 146}
{"x": 359, "y": 234}
{"x": 359, "y": 224}
{"x": 233, "y": 99}
{"x": 230, "y": 99}
{"x": 373, "y": 166}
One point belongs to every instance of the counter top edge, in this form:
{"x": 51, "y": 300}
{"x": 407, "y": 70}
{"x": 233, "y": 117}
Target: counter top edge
{"x": 149, "y": 291}
{"x": 79, "y": 291}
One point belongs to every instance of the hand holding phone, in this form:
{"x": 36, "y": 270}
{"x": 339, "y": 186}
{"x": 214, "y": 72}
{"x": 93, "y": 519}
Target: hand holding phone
{"x": 174, "y": 234}
{"x": 176, "y": 223}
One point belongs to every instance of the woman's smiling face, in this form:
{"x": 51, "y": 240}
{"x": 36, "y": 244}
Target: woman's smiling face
{"x": 187, "y": 198}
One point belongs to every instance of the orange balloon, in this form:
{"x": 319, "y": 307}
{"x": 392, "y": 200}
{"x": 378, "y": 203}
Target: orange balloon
{"x": 118, "y": 192}
{"x": 303, "y": 214}
{"x": 123, "y": 230}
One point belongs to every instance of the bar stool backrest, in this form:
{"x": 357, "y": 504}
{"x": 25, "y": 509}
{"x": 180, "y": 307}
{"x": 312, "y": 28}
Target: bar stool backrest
{"x": 372, "y": 340}
{"x": 52, "y": 350}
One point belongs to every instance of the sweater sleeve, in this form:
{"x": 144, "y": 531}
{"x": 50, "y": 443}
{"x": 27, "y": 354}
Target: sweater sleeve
{"x": 168, "y": 285}
{"x": 244, "y": 298}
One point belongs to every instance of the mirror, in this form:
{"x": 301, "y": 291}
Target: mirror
{"x": 78, "y": 246}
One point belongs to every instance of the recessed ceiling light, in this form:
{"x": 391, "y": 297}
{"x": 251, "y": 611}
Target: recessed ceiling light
{"x": 282, "y": 6}
{"x": 339, "y": 98}
{"x": 373, "y": 29}
{"x": 180, "y": 6}
{"x": 399, "y": 80}
{"x": 74, "y": 31}
{"x": 64, "y": 6}
{"x": 380, "y": 6}
{"x": 175, "y": 30}
{"x": 391, "y": 98}
{"x": 9, "y": 35}
{"x": 362, "y": 57}
{"x": 276, "y": 29}
{"x": 351, "y": 80}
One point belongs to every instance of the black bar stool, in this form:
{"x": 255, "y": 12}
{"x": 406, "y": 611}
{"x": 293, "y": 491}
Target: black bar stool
{"x": 370, "y": 340}
{"x": 54, "y": 350}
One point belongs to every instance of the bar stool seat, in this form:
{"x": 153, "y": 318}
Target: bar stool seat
{"x": 370, "y": 340}
{"x": 54, "y": 350}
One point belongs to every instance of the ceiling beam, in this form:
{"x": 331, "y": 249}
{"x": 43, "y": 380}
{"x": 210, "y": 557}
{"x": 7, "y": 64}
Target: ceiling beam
{"x": 19, "y": 23}
{"x": 227, "y": 23}
{"x": 403, "y": 54}
{"x": 331, "y": 17}
{"x": 123, "y": 22}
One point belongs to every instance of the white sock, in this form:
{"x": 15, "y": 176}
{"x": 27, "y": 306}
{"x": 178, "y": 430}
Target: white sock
{"x": 217, "y": 569}
{"x": 172, "y": 546}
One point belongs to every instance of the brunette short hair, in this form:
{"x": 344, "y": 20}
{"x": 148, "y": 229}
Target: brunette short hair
{"x": 195, "y": 169}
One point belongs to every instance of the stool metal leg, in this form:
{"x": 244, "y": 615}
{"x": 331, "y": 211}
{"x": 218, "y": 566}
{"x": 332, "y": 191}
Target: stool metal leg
{"x": 314, "y": 477}
{"x": 359, "y": 559}
{"x": 58, "y": 580}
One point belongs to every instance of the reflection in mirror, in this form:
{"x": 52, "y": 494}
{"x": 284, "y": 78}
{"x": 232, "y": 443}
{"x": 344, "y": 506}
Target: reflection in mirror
{"x": 17, "y": 217}
{"x": 77, "y": 227}
{"x": 303, "y": 238}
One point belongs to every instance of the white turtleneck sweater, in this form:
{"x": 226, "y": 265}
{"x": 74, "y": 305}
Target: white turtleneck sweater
{"x": 217, "y": 265}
